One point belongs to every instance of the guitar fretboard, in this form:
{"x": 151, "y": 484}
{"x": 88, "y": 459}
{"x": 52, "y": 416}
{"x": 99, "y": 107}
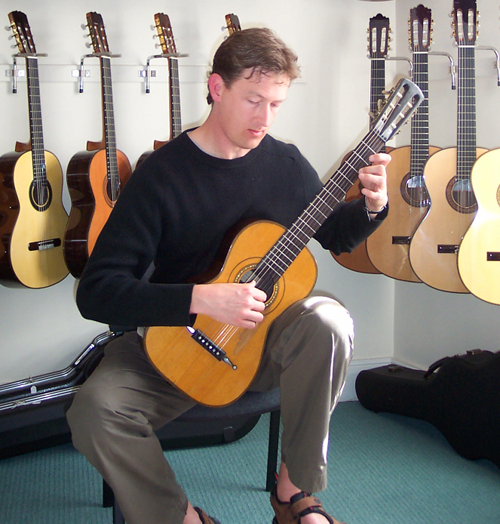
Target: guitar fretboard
{"x": 420, "y": 121}
{"x": 466, "y": 113}
{"x": 377, "y": 85}
{"x": 175, "y": 99}
{"x": 113, "y": 176}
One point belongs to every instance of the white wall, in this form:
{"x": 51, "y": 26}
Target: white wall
{"x": 326, "y": 114}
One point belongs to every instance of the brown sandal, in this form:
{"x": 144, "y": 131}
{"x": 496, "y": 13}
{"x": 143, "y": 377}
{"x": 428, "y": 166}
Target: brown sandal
{"x": 205, "y": 518}
{"x": 299, "y": 506}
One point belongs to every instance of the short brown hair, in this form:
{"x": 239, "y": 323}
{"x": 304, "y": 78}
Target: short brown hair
{"x": 257, "y": 49}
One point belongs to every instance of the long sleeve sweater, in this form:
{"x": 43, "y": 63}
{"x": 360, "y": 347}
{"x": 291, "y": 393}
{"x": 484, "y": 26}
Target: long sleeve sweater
{"x": 173, "y": 215}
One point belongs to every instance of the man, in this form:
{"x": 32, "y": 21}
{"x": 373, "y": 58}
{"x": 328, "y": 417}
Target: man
{"x": 175, "y": 211}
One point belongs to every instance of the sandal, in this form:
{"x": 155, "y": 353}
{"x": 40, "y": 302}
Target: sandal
{"x": 205, "y": 519}
{"x": 300, "y": 505}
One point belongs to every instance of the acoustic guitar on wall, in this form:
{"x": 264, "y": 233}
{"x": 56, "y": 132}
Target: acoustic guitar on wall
{"x": 409, "y": 200}
{"x": 378, "y": 48}
{"x": 168, "y": 47}
{"x": 96, "y": 176}
{"x": 434, "y": 246}
{"x": 33, "y": 218}
{"x": 214, "y": 363}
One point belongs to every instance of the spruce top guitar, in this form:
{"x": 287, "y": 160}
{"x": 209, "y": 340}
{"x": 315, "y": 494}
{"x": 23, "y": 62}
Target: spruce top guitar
{"x": 96, "y": 176}
{"x": 33, "y": 217}
{"x": 388, "y": 246}
{"x": 378, "y": 49}
{"x": 168, "y": 47}
{"x": 214, "y": 363}
{"x": 435, "y": 244}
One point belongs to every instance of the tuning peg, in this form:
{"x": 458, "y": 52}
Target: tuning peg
{"x": 152, "y": 27}
{"x": 87, "y": 44}
{"x": 7, "y": 27}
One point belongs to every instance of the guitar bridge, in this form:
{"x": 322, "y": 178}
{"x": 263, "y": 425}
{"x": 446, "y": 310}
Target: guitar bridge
{"x": 447, "y": 248}
{"x": 493, "y": 256}
{"x": 44, "y": 244}
{"x": 210, "y": 346}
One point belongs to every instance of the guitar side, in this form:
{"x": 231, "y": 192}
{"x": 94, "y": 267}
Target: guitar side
{"x": 434, "y": 245}
{"x": 32, "y": 238}
{"x": 388, "y": 246}
{"x": 479, "y": 252}
{"x": 91, "y": 206}
{"x": 186, "y": 364}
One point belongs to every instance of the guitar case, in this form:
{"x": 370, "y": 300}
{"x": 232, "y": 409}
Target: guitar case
{"x": 459, "y": 395}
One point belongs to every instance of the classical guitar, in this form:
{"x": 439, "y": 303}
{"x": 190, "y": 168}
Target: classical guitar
{"x": 409, "y": 200}
{"x": 32, "y": 214}
{"x": 232, "y": 23}
{"x": 378, "y": 48}
{"x": 434, "y": 245}
{"x": 214, "y": 363}
{"x": 479, "y": 251}
{"x": 168, "y": 48}
{"x": 96, "y": 176}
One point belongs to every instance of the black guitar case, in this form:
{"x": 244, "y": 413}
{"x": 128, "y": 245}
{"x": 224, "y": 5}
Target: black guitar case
{"x": 459, "y": 395}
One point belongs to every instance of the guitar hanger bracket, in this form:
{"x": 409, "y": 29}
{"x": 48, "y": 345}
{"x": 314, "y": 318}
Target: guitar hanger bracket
{"x": 410, "y": 63}
{"x": 453, "y": 69}
{"x": 148, "y": 73}
{"x": 15, "y": 73}
{"x": 81, "y": 72}
{"x": 496, "y": 63}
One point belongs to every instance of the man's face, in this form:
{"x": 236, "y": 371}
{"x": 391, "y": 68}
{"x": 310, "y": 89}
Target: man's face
{"x": 246, "y": 109}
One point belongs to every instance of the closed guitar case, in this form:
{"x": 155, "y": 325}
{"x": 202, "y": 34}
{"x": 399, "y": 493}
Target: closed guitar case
{"x": 459, "y": 395}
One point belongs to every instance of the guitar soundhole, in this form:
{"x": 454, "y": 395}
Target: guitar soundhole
{"x": 40, "y": 195}
{"x": 460, "y": 196}
{"x": 247, "y": 275}
{"x": 111, "y": 190}
{"x": 414, "y": 191}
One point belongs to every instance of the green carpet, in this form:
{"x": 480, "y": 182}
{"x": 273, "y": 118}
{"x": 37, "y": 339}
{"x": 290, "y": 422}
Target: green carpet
{"x": 382, "y": 469}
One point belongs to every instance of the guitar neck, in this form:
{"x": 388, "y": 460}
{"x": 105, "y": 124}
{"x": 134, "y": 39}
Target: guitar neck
{"x": 420, "y": 122}
{"x": 109, "y": 127}
{"x": 175, "y": 99}
{"x": 293, "y": 241}
{"x": 35, "y": 116}
{"x": 377, "y": 85}
{"x": 466, "y": 112}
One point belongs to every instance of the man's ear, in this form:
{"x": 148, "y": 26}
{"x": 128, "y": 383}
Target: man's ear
{"x": 215, "y": 85}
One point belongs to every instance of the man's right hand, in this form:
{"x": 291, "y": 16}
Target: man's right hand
{"x": 240, "y": 305}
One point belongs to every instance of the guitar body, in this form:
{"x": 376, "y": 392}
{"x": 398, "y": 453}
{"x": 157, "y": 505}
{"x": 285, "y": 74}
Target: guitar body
{"x": 479, "y": 253}
{"x": 187, "y": 365}
{"x": 434, "y": 246}
{"x": 91, "y": 204}
{"x": 388, "y": 246}
{"x": 32, "y": 238}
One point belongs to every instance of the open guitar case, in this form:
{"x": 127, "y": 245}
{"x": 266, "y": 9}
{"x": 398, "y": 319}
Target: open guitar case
{"x": 33, "y": 410}
{"x": 459, "y": 395}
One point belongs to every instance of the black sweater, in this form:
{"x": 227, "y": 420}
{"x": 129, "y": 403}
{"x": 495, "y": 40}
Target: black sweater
{"x": 175, "y": 211}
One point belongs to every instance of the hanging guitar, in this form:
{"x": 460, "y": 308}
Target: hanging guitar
{"x": 388, "y": 246}
{"x": 168, "y": 47}
{"x": 434, "y": 245}
{"x": 214, "y": 363}
{"x": 378, "y": 48}
{"x": 232, "y": 23}
{"x": 32, "y": 214}
{"x": 96, "y": 176}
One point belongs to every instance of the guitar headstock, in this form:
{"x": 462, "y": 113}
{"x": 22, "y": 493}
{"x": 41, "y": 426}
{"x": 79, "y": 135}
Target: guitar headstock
{"x": 378, "y": 37}
{"x": 403, "y": 101}
{"x": 420, "y": 29}
{"x": 465, "y": 22}
{"x": 165, "y": 34}
{"x": 22, "y": 32}
{"x": 232, "y": 23}
{"x": 97, "y": 33}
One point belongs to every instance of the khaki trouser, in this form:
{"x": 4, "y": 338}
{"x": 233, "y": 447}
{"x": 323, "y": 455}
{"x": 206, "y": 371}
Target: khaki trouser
{"x": 115, "y": 412}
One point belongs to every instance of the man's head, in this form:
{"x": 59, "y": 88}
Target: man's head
{"x": 253, "y": 52}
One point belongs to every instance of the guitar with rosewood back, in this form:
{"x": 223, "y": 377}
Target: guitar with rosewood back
{"x": 168, "y": 47}
{"x": 409, "y": 200}
{"x": 378, "y": 48}
{"x": 434, "y": 246}
{"x": 479, "y": 252}
{"x": 96, "y": 176}
{"x": 33, "y": 218}
{"x": 214, "y": 363}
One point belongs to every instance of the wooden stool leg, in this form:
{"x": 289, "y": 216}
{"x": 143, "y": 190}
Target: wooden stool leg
{"x": 272, "y": 454}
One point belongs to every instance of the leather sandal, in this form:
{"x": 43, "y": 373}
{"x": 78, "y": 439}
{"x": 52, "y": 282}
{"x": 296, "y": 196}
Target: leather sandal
{"x": 205, "y": 519}
{"x": 300, "y": 505}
